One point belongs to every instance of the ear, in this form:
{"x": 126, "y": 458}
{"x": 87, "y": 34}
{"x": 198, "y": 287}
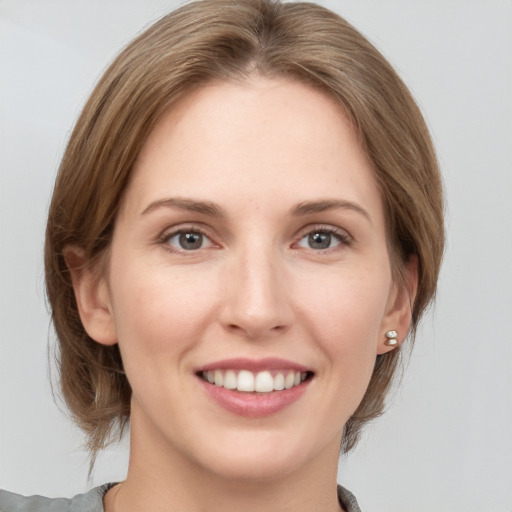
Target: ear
{"x": 92, "y": 297}
{"x": 399, "y": 308}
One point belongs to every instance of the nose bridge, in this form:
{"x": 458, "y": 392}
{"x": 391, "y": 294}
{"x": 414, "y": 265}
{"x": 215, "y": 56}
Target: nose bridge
{"x": 257, "y": 300}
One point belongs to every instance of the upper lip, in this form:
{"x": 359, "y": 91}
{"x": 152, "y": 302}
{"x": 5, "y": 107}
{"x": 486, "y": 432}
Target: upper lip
{"x": 254, "y": 365}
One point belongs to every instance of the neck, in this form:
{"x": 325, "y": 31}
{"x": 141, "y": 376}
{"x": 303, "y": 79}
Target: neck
{"x": 161, "y": 478}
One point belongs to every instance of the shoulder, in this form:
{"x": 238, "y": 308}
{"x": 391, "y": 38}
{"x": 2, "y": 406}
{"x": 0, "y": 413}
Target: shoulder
{"x": 91, "y": 501}
{"x": 347, "y": 500}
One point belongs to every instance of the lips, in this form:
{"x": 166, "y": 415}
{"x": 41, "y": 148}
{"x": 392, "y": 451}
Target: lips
{"x": 255, "y": 388}
{"x": 246, "y": 381}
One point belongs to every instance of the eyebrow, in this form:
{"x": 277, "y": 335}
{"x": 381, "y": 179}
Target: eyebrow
{"x": 190, "y": 205}
{"x": 211, "y": 209}
{"x": 312, "y": 207}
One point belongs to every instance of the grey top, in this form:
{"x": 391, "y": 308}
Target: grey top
{"x": 92, "y": 501}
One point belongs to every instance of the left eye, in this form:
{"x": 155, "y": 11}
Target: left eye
{"x": 189, "y": 240}
{"x": 320, "y": 240}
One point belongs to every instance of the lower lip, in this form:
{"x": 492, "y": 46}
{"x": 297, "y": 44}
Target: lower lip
{"x": 254, "y": 405}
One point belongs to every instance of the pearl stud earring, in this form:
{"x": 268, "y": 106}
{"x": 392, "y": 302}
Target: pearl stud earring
{"x": 391, "y": 339}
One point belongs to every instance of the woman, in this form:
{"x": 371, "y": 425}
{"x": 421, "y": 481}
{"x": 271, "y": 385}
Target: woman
{"x": 246, "y": 225}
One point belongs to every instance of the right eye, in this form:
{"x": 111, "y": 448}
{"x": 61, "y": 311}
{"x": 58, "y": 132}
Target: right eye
{"x": 320, "y": 240}
{"x": 188, "y": 240}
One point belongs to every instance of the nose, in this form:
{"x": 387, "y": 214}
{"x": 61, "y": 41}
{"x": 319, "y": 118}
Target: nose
{"x": 256, "y": 301}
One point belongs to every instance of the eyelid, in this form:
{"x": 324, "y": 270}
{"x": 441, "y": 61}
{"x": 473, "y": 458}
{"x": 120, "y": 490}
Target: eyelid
{"x": 343, "y": 235}
{"x": 172, "y": 231}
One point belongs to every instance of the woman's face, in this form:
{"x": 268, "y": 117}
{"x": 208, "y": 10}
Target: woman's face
{"x": 249, "y": 252}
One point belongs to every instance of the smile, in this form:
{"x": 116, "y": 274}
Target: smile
{"x": 255, "y": 388}
{"x": 246, "y": 381}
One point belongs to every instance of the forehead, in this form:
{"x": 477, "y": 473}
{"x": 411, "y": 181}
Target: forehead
{"x": 264, "y": 141}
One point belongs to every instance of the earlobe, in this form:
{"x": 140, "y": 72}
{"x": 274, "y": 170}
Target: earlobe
{"x": 92, "y": 297}
{"x": 397, "y": 321}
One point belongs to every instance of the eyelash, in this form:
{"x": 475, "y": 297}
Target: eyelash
{"x": 168, "y": 235}
{"x": 342, "y": 237}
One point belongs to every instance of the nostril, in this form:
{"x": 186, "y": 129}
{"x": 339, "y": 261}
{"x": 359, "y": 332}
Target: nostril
{"x": 255, "y": 331}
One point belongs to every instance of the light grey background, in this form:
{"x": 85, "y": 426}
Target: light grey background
{"x": 446, "y": 443}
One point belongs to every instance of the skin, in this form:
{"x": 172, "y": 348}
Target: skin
{"x": 255, "y": 288}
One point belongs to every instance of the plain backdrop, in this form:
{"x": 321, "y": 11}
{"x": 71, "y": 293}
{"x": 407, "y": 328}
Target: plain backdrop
{"x": 445, "y": 445}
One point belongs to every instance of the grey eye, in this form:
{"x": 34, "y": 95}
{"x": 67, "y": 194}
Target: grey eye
{"x": 191, "y": 241}
{"x": 320, "y": 240}
{"x": 188, "y": 240}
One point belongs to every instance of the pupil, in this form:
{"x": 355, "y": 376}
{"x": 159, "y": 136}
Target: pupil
{"x": 319, "y": 240}
{"x": 191, "y": 241}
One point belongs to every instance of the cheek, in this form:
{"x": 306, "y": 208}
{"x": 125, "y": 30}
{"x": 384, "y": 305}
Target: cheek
{"x": 159, "y": 309}
{"x": 345, "y": 311}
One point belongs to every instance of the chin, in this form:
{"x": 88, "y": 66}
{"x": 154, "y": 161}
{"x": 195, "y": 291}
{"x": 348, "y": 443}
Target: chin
{"x": 264, "y": 456}
{"x": 247, "y": 470}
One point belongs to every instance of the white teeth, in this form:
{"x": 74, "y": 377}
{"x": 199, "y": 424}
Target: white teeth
{"x": 245, "y": 381}
{"x": 229, "y": 380}
{"x": 248, "y": 382}
{"x": 264, "y": 382}
{"x": 219, "y": 378}
{"x": 279, "y": 382}
{"x": 289, "y": 380}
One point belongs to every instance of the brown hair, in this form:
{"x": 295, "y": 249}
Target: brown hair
{"x": 226, "y": 40}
